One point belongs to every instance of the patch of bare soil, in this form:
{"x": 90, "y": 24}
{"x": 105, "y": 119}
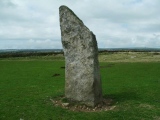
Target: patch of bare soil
{"x": 56, "y": 74}
{"x": 105, "y": 105}
{"x": 62, "y": 67}
{"x": 147, "y": 106}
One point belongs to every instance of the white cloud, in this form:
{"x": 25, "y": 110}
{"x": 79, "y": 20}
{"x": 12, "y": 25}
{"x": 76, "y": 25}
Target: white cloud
{"x": 116, "y": 23}
{"x": 30, "y": 44}
{"x": 42, "y": 44}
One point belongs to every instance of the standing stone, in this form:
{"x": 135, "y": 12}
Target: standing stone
{"x": 82, "y": 76}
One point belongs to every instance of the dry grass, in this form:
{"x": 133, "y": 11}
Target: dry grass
{"x": 130, "y": 57}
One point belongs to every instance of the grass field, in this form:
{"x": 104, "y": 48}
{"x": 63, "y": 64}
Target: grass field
{"x": 26, "y": 87}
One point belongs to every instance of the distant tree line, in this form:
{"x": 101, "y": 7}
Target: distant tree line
{"x": 27, "y": 54}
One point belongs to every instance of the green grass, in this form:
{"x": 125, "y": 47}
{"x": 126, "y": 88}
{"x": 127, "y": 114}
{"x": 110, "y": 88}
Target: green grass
{"x": 27, "y": 86}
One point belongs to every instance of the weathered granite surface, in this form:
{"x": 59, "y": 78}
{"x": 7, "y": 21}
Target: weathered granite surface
{"x": 82, "y": 76}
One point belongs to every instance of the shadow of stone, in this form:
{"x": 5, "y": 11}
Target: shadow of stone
{"x": 123, "y": 96}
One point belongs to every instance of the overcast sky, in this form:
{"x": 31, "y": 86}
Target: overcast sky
{"x": 34, "y": 24}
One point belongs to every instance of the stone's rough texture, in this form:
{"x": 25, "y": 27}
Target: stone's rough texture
{"x": 82, "y": 75}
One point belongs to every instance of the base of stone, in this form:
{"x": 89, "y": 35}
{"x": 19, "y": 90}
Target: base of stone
{"x": 105, "y": 105}
{"x": 87, "y": 103}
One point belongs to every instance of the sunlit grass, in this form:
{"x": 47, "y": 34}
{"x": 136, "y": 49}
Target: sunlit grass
{"x": 27, "y": 86}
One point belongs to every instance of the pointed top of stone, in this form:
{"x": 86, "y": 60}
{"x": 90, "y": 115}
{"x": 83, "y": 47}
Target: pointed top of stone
{"x": 64, "y": 9}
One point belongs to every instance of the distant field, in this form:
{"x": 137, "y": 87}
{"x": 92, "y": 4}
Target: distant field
{"x": 130, "y": 57}
{"x": 28, "y": 83}
{"x": 103, "y": 57}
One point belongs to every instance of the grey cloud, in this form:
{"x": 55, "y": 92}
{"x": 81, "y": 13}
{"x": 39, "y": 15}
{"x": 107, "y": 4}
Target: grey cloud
{"x": 6, "y": 3}
{"x": 151, "y": 28}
